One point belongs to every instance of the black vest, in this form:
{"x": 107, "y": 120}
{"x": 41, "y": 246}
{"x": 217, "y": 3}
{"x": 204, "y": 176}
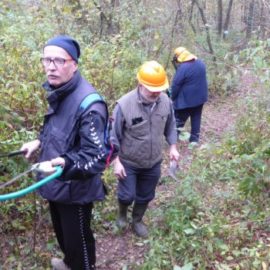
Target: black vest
{"x": 59, "y": 136}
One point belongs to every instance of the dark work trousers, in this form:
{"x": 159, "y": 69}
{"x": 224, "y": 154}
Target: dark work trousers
{"x": 195, "y": 114}
{"x": 139, "y": 185}
{"x": 72, "y": 228}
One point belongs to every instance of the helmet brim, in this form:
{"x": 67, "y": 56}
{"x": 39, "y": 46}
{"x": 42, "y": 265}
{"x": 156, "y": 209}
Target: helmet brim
{"x": 188, "y": 58}
{"x": 160, "y": 88}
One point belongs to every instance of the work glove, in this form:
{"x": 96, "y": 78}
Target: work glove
{"x": 169, "y": 92}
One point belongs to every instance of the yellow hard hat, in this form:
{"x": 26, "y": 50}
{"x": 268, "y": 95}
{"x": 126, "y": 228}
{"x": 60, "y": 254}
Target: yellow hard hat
{"x": 153, "y": 76}
{"x": 183, "y": 55}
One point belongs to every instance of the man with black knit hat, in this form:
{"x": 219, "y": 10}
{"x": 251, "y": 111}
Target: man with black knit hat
{"x": 72, "y": 137}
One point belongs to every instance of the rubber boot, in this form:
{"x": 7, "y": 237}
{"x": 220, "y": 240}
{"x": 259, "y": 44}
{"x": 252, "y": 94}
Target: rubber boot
{"x": 139, "y": 228}
{"x": 121, "y": 221}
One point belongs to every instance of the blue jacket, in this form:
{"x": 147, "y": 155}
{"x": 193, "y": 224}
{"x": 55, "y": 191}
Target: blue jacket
{"x": 78, "y": 136}
{"x": 189, "y": 87}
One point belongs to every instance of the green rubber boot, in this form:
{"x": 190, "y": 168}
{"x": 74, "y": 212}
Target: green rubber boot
{"x": 121, "y": 221}
{"x": 138, "y": 227}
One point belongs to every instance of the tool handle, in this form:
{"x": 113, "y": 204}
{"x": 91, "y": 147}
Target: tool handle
{"x": 14, "y": 153}
{"x": 22, "y": 192}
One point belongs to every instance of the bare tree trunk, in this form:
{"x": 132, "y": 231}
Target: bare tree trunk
{"x": 208, "y": 38}
{"x": 227, "y": 20}
{"x": 190, "y": 17}
{"x": 220, "y": 17}
{"x": 106, "y": 22}
{"x": 262, "y": 23}
{"x": 172, "y": 36}
{"x": 250, "y": 19}
{"x": 176, "y": 19}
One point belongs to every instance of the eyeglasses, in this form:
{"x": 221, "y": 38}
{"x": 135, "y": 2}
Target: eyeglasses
{"x": 57, "y": 61}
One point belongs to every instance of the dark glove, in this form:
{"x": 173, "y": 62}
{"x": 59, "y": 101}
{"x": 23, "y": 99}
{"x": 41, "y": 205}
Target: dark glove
{"x": 169, "y": 92}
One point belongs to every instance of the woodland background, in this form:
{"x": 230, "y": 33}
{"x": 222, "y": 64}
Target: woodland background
{"x": 116, "y": 37}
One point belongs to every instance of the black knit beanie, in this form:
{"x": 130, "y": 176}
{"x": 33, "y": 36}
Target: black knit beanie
{"x": 70, "y": 45}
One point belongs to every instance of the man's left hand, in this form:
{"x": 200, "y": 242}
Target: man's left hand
{"x": 59, "y": 161}
{"x": 174, "y": 154}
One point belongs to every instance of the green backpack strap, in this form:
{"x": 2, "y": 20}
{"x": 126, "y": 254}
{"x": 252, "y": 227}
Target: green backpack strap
{"x": 89, "y": 100}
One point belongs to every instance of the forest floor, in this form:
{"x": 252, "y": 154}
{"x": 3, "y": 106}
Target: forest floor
{"x": 125, "y": 251}
{"x": 117, "y": 251}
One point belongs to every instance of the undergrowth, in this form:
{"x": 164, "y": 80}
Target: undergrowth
{"x": 220, "y": 216}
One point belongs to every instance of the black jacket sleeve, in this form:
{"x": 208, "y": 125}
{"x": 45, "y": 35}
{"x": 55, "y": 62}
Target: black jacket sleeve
{"x": 89, "y": 157}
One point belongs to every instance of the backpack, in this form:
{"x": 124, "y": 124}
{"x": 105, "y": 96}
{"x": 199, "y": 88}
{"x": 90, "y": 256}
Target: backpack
{"x": 88, "y": 101}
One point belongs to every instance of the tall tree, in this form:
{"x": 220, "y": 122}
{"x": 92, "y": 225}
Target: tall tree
{"x": 190, "y": 16}
{"x": 106, "y": 17}
{"x": 227, "y": 20}
{"x": 208, "y": 37}
{"x": 250, "y": 19}
{"x": 220, "y": 17}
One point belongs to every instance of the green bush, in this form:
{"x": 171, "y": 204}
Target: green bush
{"x": 222, "y": 203}
{"x": 111, "y": 55}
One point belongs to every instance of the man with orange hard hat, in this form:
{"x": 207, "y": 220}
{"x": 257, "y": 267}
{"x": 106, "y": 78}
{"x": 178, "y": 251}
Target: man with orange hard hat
{"x": 142, "y": 118}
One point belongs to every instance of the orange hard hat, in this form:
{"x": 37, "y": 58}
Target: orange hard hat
{"x": 153, "y": 76}
{"x": 182, "y": 55}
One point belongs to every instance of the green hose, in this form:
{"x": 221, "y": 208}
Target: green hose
{"x": 22, "y": 192}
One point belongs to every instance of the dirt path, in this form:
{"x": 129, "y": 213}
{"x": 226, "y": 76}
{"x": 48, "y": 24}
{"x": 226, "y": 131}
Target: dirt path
{"x": 125, "y": 251}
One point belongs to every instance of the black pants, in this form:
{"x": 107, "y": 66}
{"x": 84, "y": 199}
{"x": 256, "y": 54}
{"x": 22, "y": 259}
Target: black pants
{"x": 139, "y": 185}
{"x": 195, "y": 114}
{"x": 72, "y": 228}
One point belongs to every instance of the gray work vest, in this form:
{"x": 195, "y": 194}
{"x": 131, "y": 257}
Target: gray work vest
{"x": 143, "y": 135}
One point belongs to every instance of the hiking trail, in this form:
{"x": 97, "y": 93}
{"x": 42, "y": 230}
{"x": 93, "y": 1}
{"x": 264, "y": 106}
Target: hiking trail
{"x": 117, "y": 251}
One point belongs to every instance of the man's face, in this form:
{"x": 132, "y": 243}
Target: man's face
{"x": 148, "y": 95}
{"x": 58, "y": 65}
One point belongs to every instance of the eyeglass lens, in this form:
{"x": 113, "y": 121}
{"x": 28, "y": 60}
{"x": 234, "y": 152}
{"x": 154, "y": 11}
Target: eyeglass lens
{"x": 57, "y": 61}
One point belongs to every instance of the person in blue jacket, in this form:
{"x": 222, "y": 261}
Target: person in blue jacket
{"x": 73, "y": 138}
{"x": 189, "y": 90}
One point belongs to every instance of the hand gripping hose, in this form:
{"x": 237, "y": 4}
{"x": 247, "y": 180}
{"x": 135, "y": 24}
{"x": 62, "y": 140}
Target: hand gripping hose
{"x": 22, "y": 192}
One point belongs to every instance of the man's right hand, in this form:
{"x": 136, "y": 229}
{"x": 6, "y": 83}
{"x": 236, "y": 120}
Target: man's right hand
{"x": 119, "y": 170}
{"x": 30, "y": 147}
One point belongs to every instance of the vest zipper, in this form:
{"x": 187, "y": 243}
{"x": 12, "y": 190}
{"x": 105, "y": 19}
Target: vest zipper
{"x": 150, "y": 120}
